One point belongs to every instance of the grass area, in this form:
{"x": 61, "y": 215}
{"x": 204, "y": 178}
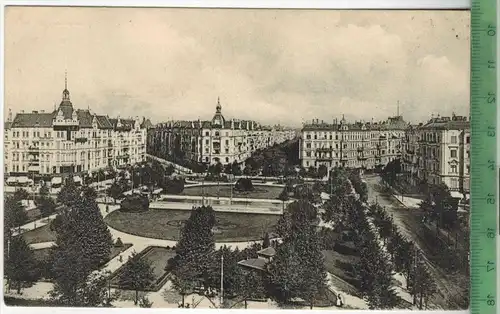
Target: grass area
{"x": 261, "y": 192}
{"x": 167, "y": 224}
{"x": 157, "y": 257}
{"x": 39, "y": 235}
{"x": 341, "y": 266}
{"x": 43, "y": 254}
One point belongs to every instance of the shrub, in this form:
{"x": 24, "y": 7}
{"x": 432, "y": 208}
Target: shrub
{"x": 174, "y": 186}
{"x": 119, "y": 243}
{"x": 135, "y": 202}
{"x": 244, "y": 184}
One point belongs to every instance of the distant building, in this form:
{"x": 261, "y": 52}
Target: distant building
{"x": 50, "y": 144}
{"x": 439, "y": 152}
{"x": 211, "y": 141}
{"x": 355, "y": 145}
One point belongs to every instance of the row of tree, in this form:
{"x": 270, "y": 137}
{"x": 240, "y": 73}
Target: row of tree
{"x": 405, "y": 257}
{"x": 346, "y": 212}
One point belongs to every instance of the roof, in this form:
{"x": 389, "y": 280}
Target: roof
{"x": 7, "y": 125}
{"x": 268, "y": 251}
{"x": 254, "y": 263}
{"x": 30, "y": 120}
{"x": 392, "y": 123}
{"x": 447, "y": 123}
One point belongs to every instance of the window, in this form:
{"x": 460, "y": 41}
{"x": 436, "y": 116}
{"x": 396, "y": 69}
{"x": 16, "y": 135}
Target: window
{"x": 453, "y": 153}
{"x": 207, "y": 134}
{"x": 468, "y": 169}
{"x": 453, "y": 139}
{"x": 467, "y": 139}
{"x": 453, "y": 168}
{"x": 454, "y": 183}
{"x": 207, "y": 142}
{"x": 308, "y": 145}
{"x": 308, "y": 136}
{"x": 308, "y": 154}
{"x": 227, "y": 159}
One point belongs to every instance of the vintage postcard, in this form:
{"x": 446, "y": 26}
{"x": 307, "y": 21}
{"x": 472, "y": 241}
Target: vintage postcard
{"x": 236, "y": 158}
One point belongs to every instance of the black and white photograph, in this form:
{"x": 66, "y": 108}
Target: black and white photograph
{"x": 214, "y": 158}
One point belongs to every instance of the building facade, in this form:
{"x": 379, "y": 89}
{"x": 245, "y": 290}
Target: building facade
{"x": 439, "y": 152}
{"x": 39, "y": 144}
{"x": 354, "y": 145}
{"x": 216, "y": 140}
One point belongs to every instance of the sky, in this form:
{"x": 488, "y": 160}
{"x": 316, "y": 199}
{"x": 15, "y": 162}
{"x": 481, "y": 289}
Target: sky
{"x": 272, "y": 66}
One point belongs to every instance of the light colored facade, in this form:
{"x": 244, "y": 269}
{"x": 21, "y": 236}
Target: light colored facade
{"x": 70, "y": 140}
{"x": 354, "y": 145}
{"x": 217, "y": 140}
{"x": 439, "y": 152}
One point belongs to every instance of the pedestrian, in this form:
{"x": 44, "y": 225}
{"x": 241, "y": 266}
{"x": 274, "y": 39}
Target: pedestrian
{"x": 340, "y": 303}
{"x": 120, "y": 258}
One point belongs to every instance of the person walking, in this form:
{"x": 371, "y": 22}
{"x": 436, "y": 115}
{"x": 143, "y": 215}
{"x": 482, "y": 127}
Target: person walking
{"x": 340, "y": 302}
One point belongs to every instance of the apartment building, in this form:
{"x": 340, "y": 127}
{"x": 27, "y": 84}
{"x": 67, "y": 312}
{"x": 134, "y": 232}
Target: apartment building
{"x": 359, "y": 144}
{"x": 43, "y": 144}
{"x": 211, "y": 141}
{"x": 439, "y": 152}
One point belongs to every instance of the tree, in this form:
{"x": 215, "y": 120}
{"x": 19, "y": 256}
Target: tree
{"x": 423, "y": 285}
{"x": 115, "y": 191}
{"x": 82, "y": 224}
{"x": 250, "y": 285}
{"x": 21, "y": 194}
{"x": 89, "y": 192}
{"x": 69, "y": 192}
{"x": 136, "y": 274}
{"x": 87, "y": 289}
{"x": 169, "y": 170}
{"x": 174, "y": 185}
{"x": 15, "y": 215}
{"x": 322, "y": 171}
{"x": 195, "y": 251}
{"x": 83, "y": 245}
{"x": 228, "y": 169}
{"x": 235, "y": 169}
{"x": 21, "y": 266}
{"x": 284, "y": 197}
{"x": 284, "y": 274}
{"x": 47, "y": 206}
{"x": 266, "y": 242}
{"x": 244, "y": 185}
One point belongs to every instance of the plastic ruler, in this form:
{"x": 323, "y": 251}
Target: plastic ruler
{"x": 484, "y": 180}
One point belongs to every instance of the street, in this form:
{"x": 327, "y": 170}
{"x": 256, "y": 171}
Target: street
{"x": 409, "y": 222}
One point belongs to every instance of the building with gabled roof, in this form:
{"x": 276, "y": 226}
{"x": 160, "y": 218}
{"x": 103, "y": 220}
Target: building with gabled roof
{"x": 357, "y": 144}
{"x": 210, "y": 141}
{"x": 69, "y": 140}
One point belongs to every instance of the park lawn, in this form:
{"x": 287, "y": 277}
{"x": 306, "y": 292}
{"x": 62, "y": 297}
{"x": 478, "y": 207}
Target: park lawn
{"x": 157, "y": 257}
{"x": 166, "y": 224}
{"x": 43, "y": 254}
{"x": 259, "y": 192}
{"x": 338, "y": 265}
{"x": 40, "y": 235}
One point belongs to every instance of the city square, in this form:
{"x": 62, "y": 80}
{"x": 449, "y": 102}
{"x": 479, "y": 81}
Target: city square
{"x": 295, "y": 191}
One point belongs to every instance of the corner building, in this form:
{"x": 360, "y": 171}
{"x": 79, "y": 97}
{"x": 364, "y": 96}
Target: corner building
{"x": 439, "y": 152}
{"x": 40, "y": 144}
{"x": 211, "y": 141}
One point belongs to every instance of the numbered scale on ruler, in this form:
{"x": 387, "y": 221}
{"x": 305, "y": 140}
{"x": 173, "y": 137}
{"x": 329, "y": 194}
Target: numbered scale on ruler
{"x": 484, "y": 164}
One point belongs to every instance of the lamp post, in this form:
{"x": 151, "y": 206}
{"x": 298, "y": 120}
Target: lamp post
{"x": 221, "y": 280}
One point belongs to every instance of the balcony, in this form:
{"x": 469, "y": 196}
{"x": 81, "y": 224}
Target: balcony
{"x": 344, "y": 158}
{"x": 80, "y": 140}
{"x": 324, "y": 149}
{"x": 362, "y": 157}
{"x": 324, "y": 158}
{"x": 360, "y": 149}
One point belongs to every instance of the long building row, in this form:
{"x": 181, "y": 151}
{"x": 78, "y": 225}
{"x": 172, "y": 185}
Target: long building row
{"x": 216, "y": 140}
{"x": 66, "y": 140}
{"x": 433, "y": 152}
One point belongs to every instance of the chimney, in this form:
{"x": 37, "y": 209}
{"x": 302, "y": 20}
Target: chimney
{"x": 42, "y": 111}
{"x": 22, "y": 111}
